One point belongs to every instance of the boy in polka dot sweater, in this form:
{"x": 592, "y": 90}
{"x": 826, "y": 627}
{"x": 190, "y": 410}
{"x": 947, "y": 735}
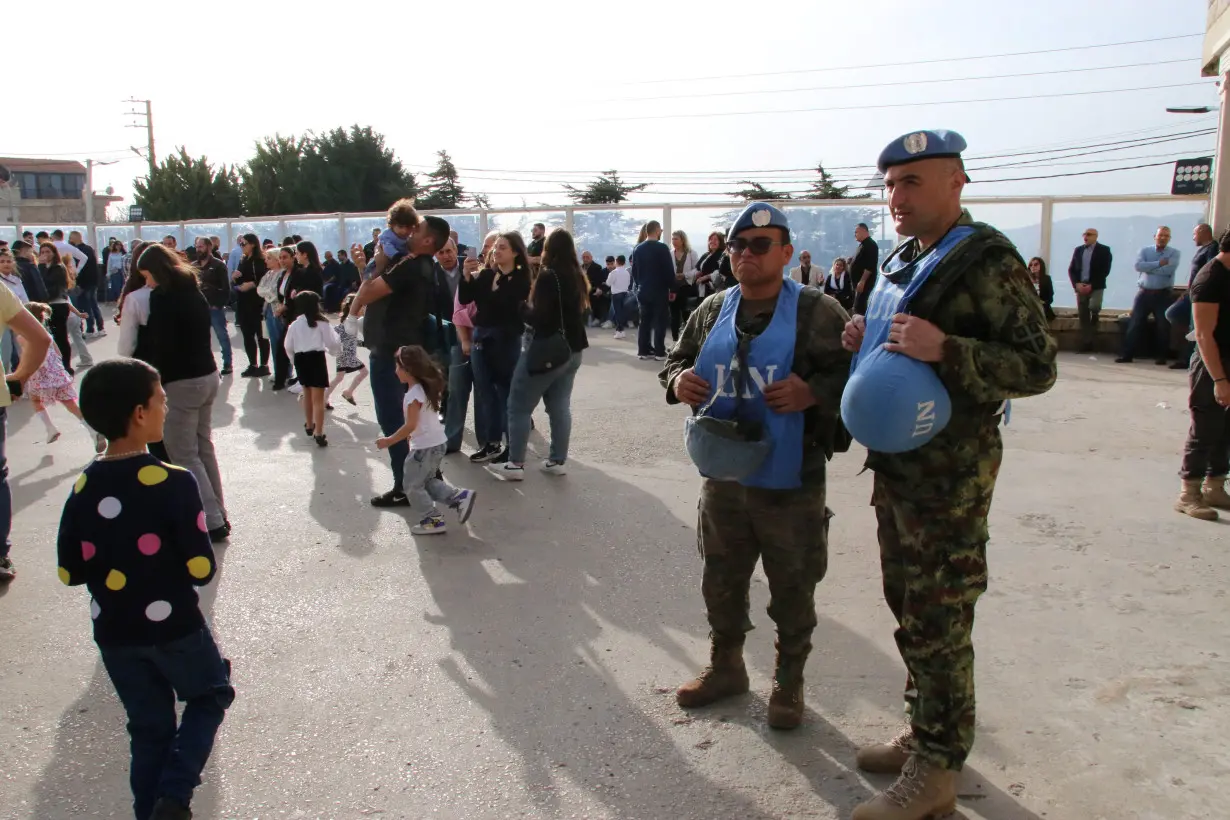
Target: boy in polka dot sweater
{"x": 133, "y": 531}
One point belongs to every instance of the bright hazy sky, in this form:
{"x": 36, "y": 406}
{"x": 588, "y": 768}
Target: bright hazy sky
{"x": 561, "y": 86}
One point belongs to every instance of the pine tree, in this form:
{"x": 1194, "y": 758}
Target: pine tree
{"x": 607, "y": 189}
{"x": 443, "y": 191}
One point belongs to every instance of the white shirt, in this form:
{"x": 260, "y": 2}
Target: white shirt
{"x": 302, "y": 338}
{"x": 66, "y": 249}
{"x": 134, "y": 313}
{"x": 14, "y": 284}
{"x": 619, "y": 280}
{"x": 430, "y": 432}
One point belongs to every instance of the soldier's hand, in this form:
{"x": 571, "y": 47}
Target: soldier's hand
{"x": 790, "y": 395}
{"x": 916, "y": 338}
{"x": 852, "y": 336}
{"x": 691, "y": 389}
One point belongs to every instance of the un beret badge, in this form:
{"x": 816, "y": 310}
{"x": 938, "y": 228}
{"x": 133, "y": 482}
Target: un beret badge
{"x": 916, "y": 143}
{"x": 761, "y": 218}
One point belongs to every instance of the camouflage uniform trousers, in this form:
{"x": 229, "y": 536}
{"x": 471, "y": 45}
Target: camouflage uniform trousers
{"x": 934, "y": 560}
{"x": 788, "y": 531}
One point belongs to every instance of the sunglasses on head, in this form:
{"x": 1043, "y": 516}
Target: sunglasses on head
{"x": 759, "y": 246}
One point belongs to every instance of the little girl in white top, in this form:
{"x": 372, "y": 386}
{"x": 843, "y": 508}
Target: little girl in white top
{"x": 307, "y": 339}
{"x": 424, "y": 484}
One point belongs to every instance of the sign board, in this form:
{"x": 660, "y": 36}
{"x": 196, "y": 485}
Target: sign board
{"x": 1216, "y": 37}
{"x": 135, "y": 213}
{"x": 1192, "y": 176}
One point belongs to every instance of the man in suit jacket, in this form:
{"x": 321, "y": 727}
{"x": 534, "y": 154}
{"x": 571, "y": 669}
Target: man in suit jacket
{"x": 1088, "y": 271}
{"x": 804, "y": 273}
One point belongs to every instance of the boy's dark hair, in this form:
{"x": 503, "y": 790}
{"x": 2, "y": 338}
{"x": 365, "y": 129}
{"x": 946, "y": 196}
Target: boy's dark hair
{"x": 863, "y": 225}
{"x": 42, "y": 235}
{"x": 610, "y": 259}
{"x": 439, "y": 231}
{"x": 621, "y": 260}
{"x": 21, "y": 245}
{"x": 57, "y": 234}
{"x": 403, "y": 215}
{"x": 112, "y": 390}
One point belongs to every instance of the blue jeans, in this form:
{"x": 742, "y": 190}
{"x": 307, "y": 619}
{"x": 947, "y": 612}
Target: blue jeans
{"x": 6, "y": 494}
{"x": 115, "y": 285}
{"x": 167, "y": 759}
{"x": 425, "y": 484}
{"x": 554, "y": 390}
{"x": 494, "y": 358}
{"x": 655, "y": 318}
{"x": 87, "y": 303}
{"x": 271, "y": 323}
{"x": 388, "y": 393}
{"x": 1148, "y": 302}
{"x": 620, "y": 305}
{"x": 217, "y": 317}
{"x": 460, "y": 383}
{"x": 9, "y": 351}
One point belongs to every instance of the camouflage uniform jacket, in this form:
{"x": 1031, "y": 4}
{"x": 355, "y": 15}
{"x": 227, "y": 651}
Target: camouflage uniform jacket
{"x": 819, "y": 360}
{"x": 999, "y": 347}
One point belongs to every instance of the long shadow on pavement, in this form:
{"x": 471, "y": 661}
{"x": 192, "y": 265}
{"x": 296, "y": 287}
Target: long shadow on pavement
{"x": 88, "y": 772}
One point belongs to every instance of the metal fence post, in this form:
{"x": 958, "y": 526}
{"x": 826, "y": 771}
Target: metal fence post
{"x": 483, "y": 226}
{"x": 1044, "y": 241}
{"x": 568, "y": 214}
{"x": 666, "y": 220}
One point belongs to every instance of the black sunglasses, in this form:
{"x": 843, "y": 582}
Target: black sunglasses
{"x": 760, "y": 245}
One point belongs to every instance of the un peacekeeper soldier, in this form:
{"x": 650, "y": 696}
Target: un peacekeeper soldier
{"x": 977, "y": 321}
{"x": 796, "y": 370}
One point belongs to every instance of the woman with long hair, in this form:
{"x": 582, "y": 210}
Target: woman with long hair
{"x": 267, "y": 289}
{"x": 685, "y": 274}
{"x": 1043, "y": 285}
{"x": 498, "y": 291}
{"x": 556, "y": 306}
{"x": 707, "y": 266}
{"x": 461, "y": 382}
{"x": 117, "y": 266}
{"x": 180, "y": 332}
{"x": 55, "y": 277}
{"x": 281, "y": 362}
{"x": 249, "y": 306}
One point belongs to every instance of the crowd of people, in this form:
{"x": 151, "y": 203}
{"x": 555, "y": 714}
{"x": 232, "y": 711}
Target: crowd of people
{"x": 916, "y": 359}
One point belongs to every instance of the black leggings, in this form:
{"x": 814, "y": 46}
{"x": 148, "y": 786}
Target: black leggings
{"x": 281, "y": 362}
{"x": 59, "y": 332}
{"x": 679, "y": 313}
{"x": 252, "y": 326}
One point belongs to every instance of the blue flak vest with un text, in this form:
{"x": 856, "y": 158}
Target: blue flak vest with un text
{"x": 769, "y": 359}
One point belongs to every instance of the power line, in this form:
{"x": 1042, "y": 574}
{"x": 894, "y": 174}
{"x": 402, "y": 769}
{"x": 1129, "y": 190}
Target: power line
{"x": 913, "y": 63}
{"x": 69, "y": 154}
{"x": 893, "y": 84}
{"x": 869, "y": 106}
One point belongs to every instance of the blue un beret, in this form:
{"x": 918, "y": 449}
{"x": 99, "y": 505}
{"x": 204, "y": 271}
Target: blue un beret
{"x": 921, "y": 145}
{"x": 759, "y": 215}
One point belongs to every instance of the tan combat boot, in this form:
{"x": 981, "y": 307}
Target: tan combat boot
{"x": 1214, "y": 492}
{"x": 1191, "y": 501}
{"x": 786, "y": 702}
{"x": 723, "y": 677}
{"x": 922, "y": 792}
{"x": 890, "y": 757}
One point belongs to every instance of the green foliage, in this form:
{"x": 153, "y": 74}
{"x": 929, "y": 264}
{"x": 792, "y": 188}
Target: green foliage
{"x": 443, "y": 191}
{"x": 340, "y": 170}
{"x": 607, "y": 189}
{"x": 826, "y": 188}
{"x": 755, "y": 192}
{"x": 182, "y": 187}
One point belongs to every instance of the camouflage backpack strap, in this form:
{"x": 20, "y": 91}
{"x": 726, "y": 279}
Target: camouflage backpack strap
{"x": 964, "y": 255}
{"x": 829, "y": 430}
{"x": 710, "y": 308}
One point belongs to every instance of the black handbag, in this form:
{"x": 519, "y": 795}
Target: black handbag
{"x": 553, "y": 352}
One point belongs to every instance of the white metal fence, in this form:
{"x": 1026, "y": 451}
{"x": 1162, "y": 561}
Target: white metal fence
{"x": 1049, "y": 227}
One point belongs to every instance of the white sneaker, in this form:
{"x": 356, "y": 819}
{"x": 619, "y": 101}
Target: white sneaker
{"x": 608, "y": 325}
{"x": 295, "y": 389}
{"x": 431, "y": 525}
{"x": 554, "y": 467}
{"x": 619, "y": 334}
{"x": 463, "y": 503}
{"x": 507, "y": 471}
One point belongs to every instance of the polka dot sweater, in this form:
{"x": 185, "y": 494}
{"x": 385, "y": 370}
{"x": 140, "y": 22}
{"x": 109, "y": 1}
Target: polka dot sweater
{"x": 133, "y": 531}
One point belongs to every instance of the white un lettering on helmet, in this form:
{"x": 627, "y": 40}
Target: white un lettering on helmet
{"x": 759, "y": 378}
{"x": 924, "y": 422}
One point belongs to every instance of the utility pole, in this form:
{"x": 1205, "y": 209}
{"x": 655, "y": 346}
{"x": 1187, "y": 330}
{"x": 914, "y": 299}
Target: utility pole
{"x": 149, "y": 129}
{"x": 89, "y": 188}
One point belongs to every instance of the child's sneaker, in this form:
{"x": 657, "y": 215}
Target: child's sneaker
{"x": 431, "y": 525}
{"x": 554, "y": 467}
{"x": 463, "y": 503}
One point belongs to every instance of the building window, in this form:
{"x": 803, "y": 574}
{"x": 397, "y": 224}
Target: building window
{"x": 51, "y": 186}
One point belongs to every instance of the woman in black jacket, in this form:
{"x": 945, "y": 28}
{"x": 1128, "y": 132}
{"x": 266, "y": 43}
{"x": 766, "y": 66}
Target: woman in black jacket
{"x": 281, "y": 362}
{"x": 55, "y": 278}
{"x": 249, "y": 306}
{"x": 499, "y": 290}
{"x": 306, "y": 276}
{"x": 1043, "y": 285}
{"x": 557, "y": 306}
{"x": 180, "y": 331}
